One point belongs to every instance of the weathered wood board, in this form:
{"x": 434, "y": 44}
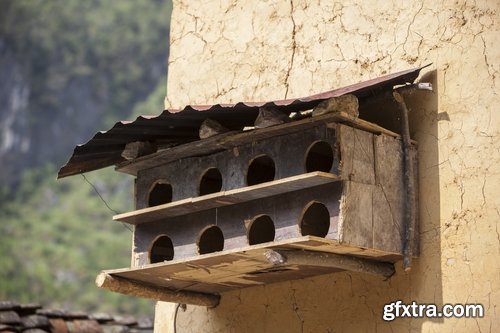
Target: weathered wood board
{"x": 372, "y": 208}
{"x": 225, "y": 198}
{"x": 239, "y": 268}
{"x": 356, "y": 155}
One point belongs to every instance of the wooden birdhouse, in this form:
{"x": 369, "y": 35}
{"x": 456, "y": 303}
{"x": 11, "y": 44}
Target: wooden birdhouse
{"x": 231, "y": 196}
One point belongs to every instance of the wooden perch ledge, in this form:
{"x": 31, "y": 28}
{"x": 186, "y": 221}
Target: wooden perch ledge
{"x": 134, "y": 288}
{"x": 331, "y": 260}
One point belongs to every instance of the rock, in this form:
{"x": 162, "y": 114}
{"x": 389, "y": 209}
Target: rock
{"x": 35, "y": 321}
{"x": 136, "y": 149}
{"x": 28, "y": 309}
{"x": 210, "y": 128}
{"x": 9, "y": 317}
{"x": 8, "y": 305}
{"x": 101, "y": 317}
{"x": 269, "y": 116}
{"x": 84, "y": 326}
{"x": 346, "y": 103}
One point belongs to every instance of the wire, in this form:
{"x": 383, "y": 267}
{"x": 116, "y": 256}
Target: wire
{"x": 179, "y": 305}
{"x": 104, "y": 201}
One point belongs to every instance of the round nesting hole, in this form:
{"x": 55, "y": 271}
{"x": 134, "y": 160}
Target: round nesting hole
{"x": 261, "y": 230}
{"x": 210, "y": 240}
{"x": 315, "y": 220}
{"x": 319, "y": 157}
{"x": 161, "y": 193}
{"x": 210, "y": 182}
{"x": 162, "y": 249}
{"x": 260, "y": 170}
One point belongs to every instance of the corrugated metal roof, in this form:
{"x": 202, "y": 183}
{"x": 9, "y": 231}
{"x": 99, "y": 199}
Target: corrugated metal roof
{"x": 174, "y": 127}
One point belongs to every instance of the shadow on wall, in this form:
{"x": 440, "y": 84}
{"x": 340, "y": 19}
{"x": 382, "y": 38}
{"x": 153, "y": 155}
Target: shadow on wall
{"x": 426, "y": 278}
{"x": 350, "y": 302}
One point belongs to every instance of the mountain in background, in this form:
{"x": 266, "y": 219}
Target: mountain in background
{"x": 69, "y": 68}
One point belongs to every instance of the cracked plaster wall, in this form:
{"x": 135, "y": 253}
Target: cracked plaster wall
{"x": 228, "y": 51}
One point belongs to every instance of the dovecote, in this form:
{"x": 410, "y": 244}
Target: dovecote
{"x": 297, "y": 194}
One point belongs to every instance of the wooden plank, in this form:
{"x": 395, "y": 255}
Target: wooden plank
{"x": 228, "y": 270}
{"x": 388, "y": 218}
{"x": 387, "y": 196}
{"x": 230, "y": 140}
{"x": 356, "y": 155}
{"x": 356, "y": 215}
{"x": 371, "y": 216}
{"x": 226, "y": 198}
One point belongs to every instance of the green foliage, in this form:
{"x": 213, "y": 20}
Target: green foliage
{"x": 154, "y": 104}
{"x": 56, "y": 236}
{"x": 114, "y": 44}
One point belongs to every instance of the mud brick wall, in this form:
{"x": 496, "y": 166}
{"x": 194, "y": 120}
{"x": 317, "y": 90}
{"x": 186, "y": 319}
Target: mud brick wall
{"x": 230, "y": 51}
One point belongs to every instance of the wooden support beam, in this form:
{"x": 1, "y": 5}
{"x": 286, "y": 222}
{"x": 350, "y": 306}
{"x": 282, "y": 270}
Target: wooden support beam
{"x": 135, "y": 288}
{"x": 409, "y": 182}
{"x": 324, "y": 259}
{"x": 270, "y": 117}
{"x": 348, "y": 104}
{"x": 210, "y": 128}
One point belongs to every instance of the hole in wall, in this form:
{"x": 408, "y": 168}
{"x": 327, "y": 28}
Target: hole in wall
{"x": 210, "y": 182}
{"x": 161, "y": 250}
{"x": 319, "y": 157}
{"x": 260, "y": 170}
{"x": 210, "y": 240}
{"x": 315, "y": 220}
{"x": 260, "y": 230}
{"x": 160, "y": 193}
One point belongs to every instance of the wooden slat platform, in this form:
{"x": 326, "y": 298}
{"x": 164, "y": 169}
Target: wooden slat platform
{"x": 226, "y": 198}
{"x": 218, "y": 272}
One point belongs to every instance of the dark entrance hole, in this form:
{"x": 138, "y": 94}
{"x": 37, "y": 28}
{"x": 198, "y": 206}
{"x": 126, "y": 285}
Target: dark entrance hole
{"x": 210, "y": 182}
{"x": 315, "y": 220}
{"x": 210, "y": 240}
{"x": 319, "y": 157}
{"x": 162, "y": 249}
{"x": 260, "y": 230}
{"x": 161, "y": 193}
{"x": 260, "y": 170}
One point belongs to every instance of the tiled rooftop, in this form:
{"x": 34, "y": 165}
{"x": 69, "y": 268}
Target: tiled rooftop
{"x": 32, "y": 318}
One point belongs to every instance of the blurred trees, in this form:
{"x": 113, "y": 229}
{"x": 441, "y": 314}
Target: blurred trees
{"x": 87, "y": 64}
{"x": 117, "y": 44}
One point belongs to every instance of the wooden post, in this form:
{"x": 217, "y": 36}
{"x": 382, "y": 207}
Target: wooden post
{"x": 325, "y": 259}
{"x": 134, "y": 288}
{"x": 409, "y": 182}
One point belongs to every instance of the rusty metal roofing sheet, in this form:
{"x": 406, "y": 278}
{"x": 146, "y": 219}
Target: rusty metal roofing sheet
{"x": 174, "y": 127}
